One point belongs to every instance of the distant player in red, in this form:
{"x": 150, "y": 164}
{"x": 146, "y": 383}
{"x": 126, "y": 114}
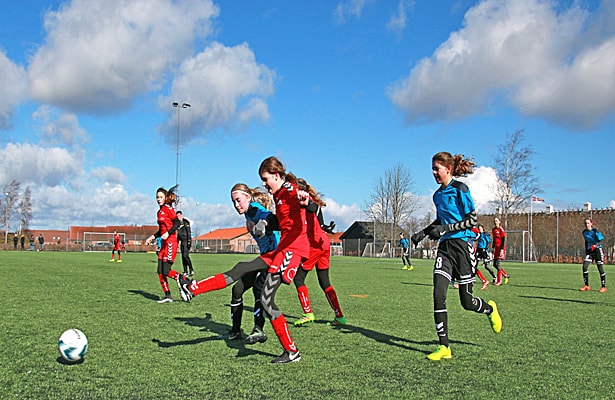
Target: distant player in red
{"x": 281, "y": 264}
{"x": 320, "y": 254}
{"x": 117, "y": 246}
{"x": 499, "y": 251}
{"x": 168, "y": 223}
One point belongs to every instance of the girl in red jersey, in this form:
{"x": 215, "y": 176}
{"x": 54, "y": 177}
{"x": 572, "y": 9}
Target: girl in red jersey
{"x": 116, "y": 247}
{"x": 320, "y": 253}
{"x": 281, "y": 264}
{"x": 499, "y": 251}
{"x": 168, "y": 223}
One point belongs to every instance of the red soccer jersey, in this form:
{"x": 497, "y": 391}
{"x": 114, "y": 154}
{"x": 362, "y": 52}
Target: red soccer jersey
{"x": 166, "y": 215}
{"x": 116, "y": 242}
{"x": 292, "y": 220}
{"x": 498, "y": 238}
{"x": 317, "y": 237}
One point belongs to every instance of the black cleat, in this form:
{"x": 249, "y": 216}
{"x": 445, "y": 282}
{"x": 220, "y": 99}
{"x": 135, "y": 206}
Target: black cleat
{"x": 287, "y": 357}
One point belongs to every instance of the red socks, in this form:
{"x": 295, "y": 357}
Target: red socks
{"x": 333, "y": 302}
{"x": 281, "y": 330}
{"x": 304, "y": 299}
{"x": 215, "y": 282}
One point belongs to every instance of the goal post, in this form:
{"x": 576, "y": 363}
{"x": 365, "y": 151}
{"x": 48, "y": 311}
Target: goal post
{"x": 375, "y": 252}
{"x": 520, "y": 247}
{"x": 100, "y": 241}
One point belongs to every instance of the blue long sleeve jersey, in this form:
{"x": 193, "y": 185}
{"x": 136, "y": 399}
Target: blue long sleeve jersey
{"x": 269, "y": 242}
{"x": 483, "y": 240}
{"x": 592, "y": 237}
{"x": 453, "y": 204}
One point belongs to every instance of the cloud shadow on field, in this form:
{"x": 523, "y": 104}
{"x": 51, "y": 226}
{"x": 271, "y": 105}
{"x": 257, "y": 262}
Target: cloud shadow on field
{"x": 219, "y": 331}
{"x": 147, "y": 295}
{"x": 396, "y": 341}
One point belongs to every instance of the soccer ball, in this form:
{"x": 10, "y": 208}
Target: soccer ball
{"x": 73, "y": 345}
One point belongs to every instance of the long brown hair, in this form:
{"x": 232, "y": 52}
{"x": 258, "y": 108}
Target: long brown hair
{"x": 314, "y": 195}
{"x": 170, "y": 196}
{"x": 461, "y": 166}
{"x": 274, "y": 166}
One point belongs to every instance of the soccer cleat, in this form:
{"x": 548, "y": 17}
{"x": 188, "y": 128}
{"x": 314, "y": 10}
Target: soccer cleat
{"x": 191, "y": 273}
{"x": 485, "y": 284}
{"x": 337, "y": 321}
{"x": 497, "y": 283}
{"x": 165, "y": 300}
{"x": 410, "y": 268}
{"x": 234, "y": 335}
{"x": 495, "y": 318}
{"x": 257, "y": 336}
{"x": 309, "y": 317}
{"x": 404, "y": 267}
{"x": 184, "y": 287}
{"x": 441, "y": 352}
{"x": 112, "y": 260}
{"x": 119, "y": 260}
{"x": 287, "y": 357}
{"x": 506, "y": 279}
{"x": 602, "y": 289}
{"x": 585, "y": 288}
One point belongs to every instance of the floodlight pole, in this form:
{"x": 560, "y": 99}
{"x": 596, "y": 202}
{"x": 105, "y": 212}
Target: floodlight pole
{"x": 7, "y": 205}
{"x": 178, "y": 106}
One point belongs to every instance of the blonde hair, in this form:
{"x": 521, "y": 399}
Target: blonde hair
{"x": 460, "y": 166}
{"x": 256, "y": 194}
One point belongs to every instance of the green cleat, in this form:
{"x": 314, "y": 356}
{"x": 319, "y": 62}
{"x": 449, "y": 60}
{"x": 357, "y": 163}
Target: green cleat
{"x": 495, "y": 318}
{"x": 307, "y": 318}
{"x": 337, "y": 321}
{"x": 441, "y": 352}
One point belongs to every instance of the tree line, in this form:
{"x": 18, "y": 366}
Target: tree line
{"x": 16, "y": 208}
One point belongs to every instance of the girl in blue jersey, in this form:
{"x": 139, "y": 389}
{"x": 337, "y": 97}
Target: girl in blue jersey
{"x": 455, "y": 218}
{"x": 254, "y": 205}
{"x": 593, "y": 252}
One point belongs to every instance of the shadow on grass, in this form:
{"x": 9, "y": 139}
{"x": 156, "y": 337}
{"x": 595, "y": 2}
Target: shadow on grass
{"x": 220, "y": 332}
{"x": 545, "y": 287}
{"x": 566, "y": 300}
{"x": 402, "y": 343}
{"x": 147, "y": 295}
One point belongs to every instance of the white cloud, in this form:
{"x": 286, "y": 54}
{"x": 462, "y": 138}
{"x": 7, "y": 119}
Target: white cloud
{"x": 482, "y": 183}
{"x": 343, "y": 215}
{"x": 100, "y": 55}
{"x": 14, "y": 88}
{"x": 59, "y": 128}
{"x": 109, "y": 174}
{"x": 554, "y": 66}
{"x": 29, "y": 163}
{"x": 349, "y": 9}
{"x": 398, "y": 21}
{"x": 224, "y": 85}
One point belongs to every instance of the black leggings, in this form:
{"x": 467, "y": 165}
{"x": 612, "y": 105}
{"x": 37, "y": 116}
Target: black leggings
{"x": 323, "y": 278}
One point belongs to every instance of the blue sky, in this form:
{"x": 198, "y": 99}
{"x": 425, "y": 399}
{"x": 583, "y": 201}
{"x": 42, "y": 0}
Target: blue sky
{"x": 340, "y": 91}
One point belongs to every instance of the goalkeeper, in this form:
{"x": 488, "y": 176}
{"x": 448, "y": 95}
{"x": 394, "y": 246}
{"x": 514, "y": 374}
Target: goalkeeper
{"x": 455, "y": 218}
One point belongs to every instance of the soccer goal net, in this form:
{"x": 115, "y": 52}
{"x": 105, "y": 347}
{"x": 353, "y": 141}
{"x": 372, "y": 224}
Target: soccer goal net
{"x": 100, "y": 241}
{"x": 375, "y": 251}
{"x": 520, "y": 247}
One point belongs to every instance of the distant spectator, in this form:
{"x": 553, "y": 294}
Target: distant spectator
{"x": 31, "y": 242}
{"x": 15, "y": 239}
{"x": 41, "y": 242}
{"x": 23, "y": 241}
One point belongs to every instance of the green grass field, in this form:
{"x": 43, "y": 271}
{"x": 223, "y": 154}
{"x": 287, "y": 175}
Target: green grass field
{"x": 557, "y": 342}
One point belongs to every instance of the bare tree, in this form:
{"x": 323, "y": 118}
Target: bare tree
{"x": 516, "y": 181}
{"x": 25, "y": 209}
{"x": 392, "y": 202}
{"x": 11, "y": 198}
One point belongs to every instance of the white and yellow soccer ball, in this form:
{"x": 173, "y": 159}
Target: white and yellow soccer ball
{"x": 73, "y": 344}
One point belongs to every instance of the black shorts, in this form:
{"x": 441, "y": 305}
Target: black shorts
{"x": 456, "y": 260}
{"x": 482, "y": 254}
{"x": 596, "y": 255}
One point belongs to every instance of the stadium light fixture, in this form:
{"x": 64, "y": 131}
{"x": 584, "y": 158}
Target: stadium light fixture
{"x": 179, "y": 106}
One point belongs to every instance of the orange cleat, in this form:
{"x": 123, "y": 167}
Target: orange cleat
{"x": 602, "y": 289}
{"x": 584, "y": 288}
{"x": 485, "y": 284}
